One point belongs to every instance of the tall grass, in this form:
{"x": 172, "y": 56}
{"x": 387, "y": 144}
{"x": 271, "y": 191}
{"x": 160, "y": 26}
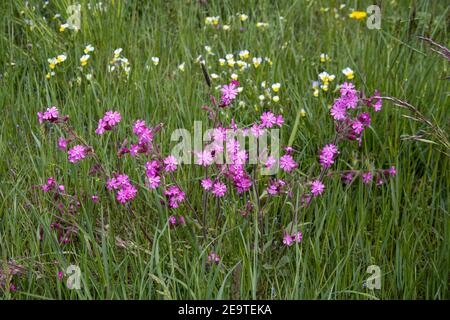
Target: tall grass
{"x": 403, "y": 227}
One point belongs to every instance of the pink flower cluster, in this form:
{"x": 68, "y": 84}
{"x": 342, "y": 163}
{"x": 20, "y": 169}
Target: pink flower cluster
{"x": 348, "y": 100}
{"x": 153, "y": 169}
{"x": 367, "y": 177}
{"x": 352, "y": 128}
{"x": 173, "y": 221}
{"x": 108, "y": 122}
{"x": 50, "y": 115}
{"x": 217, "y": 188}
{"x": 145, "y": 138}
{"x": 327, "y": 155}
{"x": 125, "y": 191}
{"x": 289, "y": 240}
{"x": 268, "y": 120}
{"x": 213, "y": 258}
{"x": 229, "y": 93}
{"x": 52, "y": 185}
{"x": 276, "y": 186}
{"x": 174, "y": 196}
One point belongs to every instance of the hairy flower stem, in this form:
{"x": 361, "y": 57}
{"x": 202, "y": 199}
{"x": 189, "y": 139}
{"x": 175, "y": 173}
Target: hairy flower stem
{"x": 205, "y": 204}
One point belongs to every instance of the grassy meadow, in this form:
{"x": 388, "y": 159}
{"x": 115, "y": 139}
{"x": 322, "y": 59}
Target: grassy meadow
{"x": 131, "y": 251}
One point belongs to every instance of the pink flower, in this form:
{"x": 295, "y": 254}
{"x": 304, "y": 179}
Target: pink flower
{"x": 298, "y": 237}
{"x": 347, "y": 89}
{"x": 288, "y": 150}
{"x": 50, "y": 181}
{"x": 270, "y": 162}
{"x": 146, "y": 136}
{"x": 213, "y": 258}
{"x": 174, "y": 196}
{"x": 51, "y": 114}
{"x": 138, "y": 126}
{"x": 357, "y": 126}
{"x": 364, "y": 118}
{"x": 317, "y": 188}
{"x": 122, "y": 180}
{"x": 40, "y": 117}
{"x": 62, "y": 143}
{"x": 275, "y": 187}
{"x": 327, "y": 155}
{"x": 152, "y": 168}
{"x": 77, "y": 153}
{"x": 172, "y": 220}
{"x": 287, "y": 240}
{"x": 219, "y": 189}
{"x": 153, "y": 181}
{"x": 279, "y": 120}
{"x": 378, "y": 103}
{"x": 170, "y": 163}
{"x": 338, "y": 112}
{"x": 134, "y": 149}
{"x": 268, "y": 119}
{"x": 287, "y": 163}
{"x": 101, "y": 127}
{"x": 392, "y": 171}
{"x": 347, "y": 177}
{"x": 204, "y": 158}
{"x": 207, "y": 184}
{"x": 112, "y": 118}
{"x": 257, "y": 130}
{"x": 94, "y": 198}
{"x": 229, "y": 93}
{"x": 111, "y": 184}
{"x": 109, "y": 120}
{"x": 60, "y": 275}
{"x": 127, "y": 193}
{"x": 367, "y": 177}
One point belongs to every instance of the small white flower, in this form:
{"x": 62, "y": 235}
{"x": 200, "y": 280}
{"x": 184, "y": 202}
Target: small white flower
{"x": 276, "y": 87}
{"x": 349, "y": 73}
{"x": 262, "y": 25}
{"x": 256, "y": 62}
{"x": 61, "y": 58}
{"x": 244, "y": 54}
{"x": 89, "y": 48}
{"x": 117, "y": 52}
{"x": 84, "y": 59}
{"x": 243, "y": 17}
{"x": 155, "y": 61}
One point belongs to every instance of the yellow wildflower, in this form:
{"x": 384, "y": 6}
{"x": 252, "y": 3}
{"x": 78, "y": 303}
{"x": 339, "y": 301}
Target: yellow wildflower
{"x": 358, "y": 15}
{"x": 348, "y": 73}
{"x": 84, "y": 59}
